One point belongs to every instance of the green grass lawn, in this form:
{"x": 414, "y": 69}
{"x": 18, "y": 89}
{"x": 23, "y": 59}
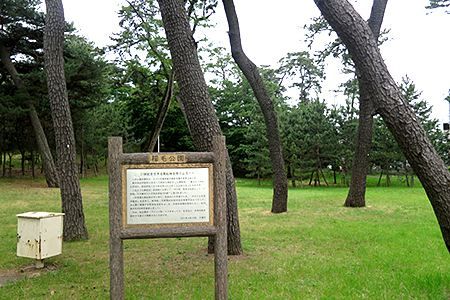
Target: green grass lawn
{"x": 392, "y": 249}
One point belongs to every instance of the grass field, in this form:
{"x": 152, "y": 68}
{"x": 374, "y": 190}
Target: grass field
{"x": 391, "y": 249}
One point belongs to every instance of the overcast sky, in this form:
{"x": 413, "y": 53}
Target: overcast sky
{"x": 419, "y": 43}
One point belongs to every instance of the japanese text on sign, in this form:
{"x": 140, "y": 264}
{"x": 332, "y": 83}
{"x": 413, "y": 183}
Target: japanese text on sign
{"x": 167, "y": 196}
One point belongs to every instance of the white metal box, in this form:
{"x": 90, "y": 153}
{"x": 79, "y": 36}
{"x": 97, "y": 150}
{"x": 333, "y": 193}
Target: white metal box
{"x": 39, "y": 234}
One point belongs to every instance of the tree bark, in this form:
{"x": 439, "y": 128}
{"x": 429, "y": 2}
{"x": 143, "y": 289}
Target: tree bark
{"x": 72, "y": 206}
{"x": 198, "y": 108}
{"x": 357, "y": 192}
{"x": 392, "y": 106}
{"x": 50, "y": 172}
{"x": 280, "y": 181}
{"x": 360, "y": 167}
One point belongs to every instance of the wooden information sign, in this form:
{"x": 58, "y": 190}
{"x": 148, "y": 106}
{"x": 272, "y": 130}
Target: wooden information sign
{"x": 171, "y": 195}
{"x": 156, "y": 195}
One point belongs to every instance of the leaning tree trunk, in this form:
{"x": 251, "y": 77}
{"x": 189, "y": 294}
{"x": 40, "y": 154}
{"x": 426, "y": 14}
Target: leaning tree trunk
{"x": 50, "y": 172}
{"x": 392, "y": 106}
{"x": 357, "y": 191}
{"x": 280, "y": 182}
{"x": 197, "y": 105}
{"x": 161, "y": 115}
{"x": 72, "y": 205}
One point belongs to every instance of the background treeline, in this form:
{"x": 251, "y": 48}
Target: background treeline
{"x": 119, "y": 90}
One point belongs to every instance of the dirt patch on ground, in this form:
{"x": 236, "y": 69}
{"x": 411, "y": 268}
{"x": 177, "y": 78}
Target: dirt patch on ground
{"x": 10, "y": 276}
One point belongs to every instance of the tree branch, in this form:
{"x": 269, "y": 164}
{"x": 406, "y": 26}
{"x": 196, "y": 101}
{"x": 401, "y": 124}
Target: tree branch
{"x": 376, "y": 16}
{"x": 152, "y": 47}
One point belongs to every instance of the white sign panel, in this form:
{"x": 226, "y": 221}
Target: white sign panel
{"x": 167, "y": 196}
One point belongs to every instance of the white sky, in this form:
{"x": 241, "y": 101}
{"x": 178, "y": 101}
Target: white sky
{"x": 419, "y": 43}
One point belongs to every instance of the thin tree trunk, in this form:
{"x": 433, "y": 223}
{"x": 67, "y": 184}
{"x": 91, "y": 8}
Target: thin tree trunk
{"x": 4, "y": 164}
{"x": 41, "y": 169}
{"x": 95, "y": 166}
{"x": 280, "y": 182}
{"x": 406, "y": 174}
{"x": 32, "y": 164}
{"x": 22, "y": 162}
{"x": 357, "y": 192}
{"x": 392, "y": 106}
{"x": 379, "y": 179}
{"x": 202, "y": 121}
{"x": 323, "y": 176}
{"x": 10, "y": 164}
{"x": 72, "y": 206}
{"x": 48, "y": 164}
{"x": 293, "y": 177}
{"x": 82, "y": 158}
{"x": 161, "y": 115}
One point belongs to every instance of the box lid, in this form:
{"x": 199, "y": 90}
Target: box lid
{"x": 39, "y": 215}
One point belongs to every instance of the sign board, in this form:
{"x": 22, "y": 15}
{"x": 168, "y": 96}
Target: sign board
{"x": 156, "y": 195}
{"x": 165, "y": 195}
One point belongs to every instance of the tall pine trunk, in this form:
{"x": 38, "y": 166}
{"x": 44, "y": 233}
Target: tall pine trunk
{"x": 280, "y": 181}
{"x": 390, "y": 103}
{"x": 197, "y": 106}
{"x": 72, "y": 206}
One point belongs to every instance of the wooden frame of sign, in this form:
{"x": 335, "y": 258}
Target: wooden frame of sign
{"x": 165, "y": 195}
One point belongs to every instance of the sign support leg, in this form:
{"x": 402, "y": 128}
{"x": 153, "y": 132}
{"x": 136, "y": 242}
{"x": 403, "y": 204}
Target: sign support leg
{"x": 115, "y": 242}
{"x": 220, "y": 247}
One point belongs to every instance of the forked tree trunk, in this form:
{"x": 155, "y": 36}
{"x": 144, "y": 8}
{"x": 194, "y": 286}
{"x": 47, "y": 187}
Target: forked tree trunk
{"x": 379, "y": 178}
{"x": 280, "y": 181}
{"x": 50, "y": 172}
{"x": 357, "y": 193}
{"x": 390, "y": 103}
{"x": 72, "y": 206}
{"x": 197, "y": 106}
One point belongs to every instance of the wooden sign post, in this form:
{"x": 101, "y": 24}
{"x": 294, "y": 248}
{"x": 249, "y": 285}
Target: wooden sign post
{"x": 164, "y": 195}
